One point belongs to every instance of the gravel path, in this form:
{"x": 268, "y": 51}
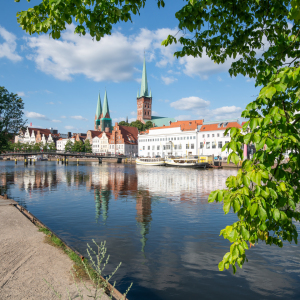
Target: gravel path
{"x": 26, "y": 260}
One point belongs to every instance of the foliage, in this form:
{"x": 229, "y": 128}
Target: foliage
{"x": 123, "y": 123}
{"x": 138, "y": 124}
{"x": 87, "y": 146}
{"x": 262, "y": 39}
{"x": 11, "y": 117}
{"x": 148, "y": 125}
{"x": 37, "y": 146}
{"x": 78, "y": 146}
{"x": 69, "y": 146}
{"x": 52, "y": 146}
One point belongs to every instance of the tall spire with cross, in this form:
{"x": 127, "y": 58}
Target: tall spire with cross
{"x": 144, "y": 83}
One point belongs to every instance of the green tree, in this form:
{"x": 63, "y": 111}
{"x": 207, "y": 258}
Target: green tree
{"x": 11, "y": 117}
{"x": 69, "y": 146}
{"x": 123, "y": 123}
{"x": 262, "y": 40}
{"x": 148, "y": 125}
{"x": 78, "y": 146}
{"x": 87, "y": 146}
{"x": 37, "y": 146}
{"x": 52, "y": 146}
{"x": 138, "y": 124}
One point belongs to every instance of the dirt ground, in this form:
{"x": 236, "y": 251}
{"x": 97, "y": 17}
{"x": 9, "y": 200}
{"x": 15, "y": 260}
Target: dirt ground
{"x": 26, "y": 260}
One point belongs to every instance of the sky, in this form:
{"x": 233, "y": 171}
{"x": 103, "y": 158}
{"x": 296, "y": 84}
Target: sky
{"x": 59, "y": 80}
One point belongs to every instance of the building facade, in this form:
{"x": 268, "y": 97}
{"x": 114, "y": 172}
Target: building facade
{"x": 100, "y": 143}
{"x": 36, "y": 135}
{"x": 186, "y": 138}
{"x": 61, "y": 143}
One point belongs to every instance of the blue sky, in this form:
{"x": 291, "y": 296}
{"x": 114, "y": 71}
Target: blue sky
{"x": 59, "y": 81}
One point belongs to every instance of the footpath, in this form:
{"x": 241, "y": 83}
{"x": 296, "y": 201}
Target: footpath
{"x": 26, "y": 260}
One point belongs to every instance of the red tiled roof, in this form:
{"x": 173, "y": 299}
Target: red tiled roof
{"x": 184, "y": 125}
{"x": 213, "y": 127}
{"x": 94, "y": 133}
{"x": 129, "y": 134}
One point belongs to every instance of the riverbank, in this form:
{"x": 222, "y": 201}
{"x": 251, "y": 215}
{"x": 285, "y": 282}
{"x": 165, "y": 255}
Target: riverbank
{"x": 27, "y": 261}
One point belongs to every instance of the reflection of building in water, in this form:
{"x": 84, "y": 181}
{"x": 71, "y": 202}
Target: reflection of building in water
{"x": 181, "y": 184}
{"x": 102, "y": 198}
{"x": 143, "y": 210}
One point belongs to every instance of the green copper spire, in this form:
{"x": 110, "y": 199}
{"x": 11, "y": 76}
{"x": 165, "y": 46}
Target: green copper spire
{"x": 99, "y": 107}
{"x": 150, "y": 94}
{"x": 144, "y": 84}
{"x": 138, "y": 94}
{"x": 105, "y": 107}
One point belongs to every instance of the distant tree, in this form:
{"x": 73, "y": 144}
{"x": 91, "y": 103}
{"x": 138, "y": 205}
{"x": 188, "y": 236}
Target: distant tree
{"x": 52, "y": 146}
{"x": 78, "y": 146}
{"x": 148, "y": 125}
{"x": 27, "y": 147}
{"x": 18, "y": 146}
{"x": 138, "y": 124}
{"x": 69, "y": 146}
{"x": 11, "y": 117}
{"x": 123, "y": 123}
{"x": 87, "y": 146}
{"x": 37, "y": 146}
{"x": 45, "y": 146}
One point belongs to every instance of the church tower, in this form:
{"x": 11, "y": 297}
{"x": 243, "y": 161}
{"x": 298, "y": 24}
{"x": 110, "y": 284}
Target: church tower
{"x": 144, "y": 99}
{"x": 98, "y": 114}
{"x": 105, "y": 120}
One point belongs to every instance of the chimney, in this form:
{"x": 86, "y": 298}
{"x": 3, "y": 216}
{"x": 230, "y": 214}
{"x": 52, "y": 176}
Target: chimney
{"x": 170, "y": 122}
{"x": 69, "y": 135}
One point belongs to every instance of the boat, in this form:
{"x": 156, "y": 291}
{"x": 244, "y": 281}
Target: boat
{"x": 38, "y": 158}
{"x": 191, "y": 162}
{"x": 150, "y": 161}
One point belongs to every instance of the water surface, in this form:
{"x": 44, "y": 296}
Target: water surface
{"x": 155, "y": 220}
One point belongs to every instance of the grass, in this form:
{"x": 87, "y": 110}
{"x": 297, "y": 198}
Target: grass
{"x": 80, "y": 271}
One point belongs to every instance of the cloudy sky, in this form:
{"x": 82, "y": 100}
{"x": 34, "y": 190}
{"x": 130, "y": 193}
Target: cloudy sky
{"x": 59, "y": 80}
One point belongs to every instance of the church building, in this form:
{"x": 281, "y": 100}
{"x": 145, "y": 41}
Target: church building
{"x": 144, "y": 104}
{"x": 102, "y": 118}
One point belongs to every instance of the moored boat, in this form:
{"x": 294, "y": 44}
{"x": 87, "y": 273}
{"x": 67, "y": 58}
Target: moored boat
{"x": 150, "y": 161}
{"x": 191, "y": 162}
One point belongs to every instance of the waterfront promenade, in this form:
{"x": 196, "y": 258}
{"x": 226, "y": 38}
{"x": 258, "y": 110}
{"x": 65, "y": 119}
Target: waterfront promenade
{"x": 26, "y": 260}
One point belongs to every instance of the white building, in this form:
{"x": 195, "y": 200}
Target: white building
{"x": 186, "y": 138}
{"x": 37, "y": 135}
{"x": 61, "y": 143}
{"x": 100, "y": 143}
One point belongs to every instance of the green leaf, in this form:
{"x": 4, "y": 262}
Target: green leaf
{"x": 233, "y": 236}
{"x": 253, "y": 209}
{"x": 262, "y": 213}
{"x": 276, "y": 214}
{"x": 245, "y": 245}
{"x": 234, "y": 157}
{"x": 221, "y": 266}
{"x": 282, "y": 186}
{"x": 245, "y": 233}
{"x": 270, "y": 92}
{"x": 236, "y": 205}
{"x": 253, "y": 123}
{"x": 226, "y": 207}
{"x": 235, "y": 253}
{"x": 247, "y": 138}
{"x": 212, "y": 196}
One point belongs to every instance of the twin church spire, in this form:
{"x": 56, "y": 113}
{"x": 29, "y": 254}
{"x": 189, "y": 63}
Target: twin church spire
{"x": 144, "y": 84}
{"x": 103, "y": 121}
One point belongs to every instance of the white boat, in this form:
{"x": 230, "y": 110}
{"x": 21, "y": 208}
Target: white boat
{"x": 38, "y": 158}
{"x": 187, "y": 162}
{"x": 150, "y": 161}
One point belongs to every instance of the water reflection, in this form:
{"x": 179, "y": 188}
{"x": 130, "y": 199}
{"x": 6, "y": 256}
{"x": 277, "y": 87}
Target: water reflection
{"x": 158, "y": 223}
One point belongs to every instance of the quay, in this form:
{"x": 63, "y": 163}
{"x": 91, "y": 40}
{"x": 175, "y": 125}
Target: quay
{"x": 27, "y": 261}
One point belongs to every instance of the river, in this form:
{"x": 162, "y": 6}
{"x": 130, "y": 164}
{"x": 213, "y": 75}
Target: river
{"x": 157, "y": 222}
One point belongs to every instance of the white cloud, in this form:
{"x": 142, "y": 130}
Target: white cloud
{"x": 70, "y": 127}
{"x": 168, "y": 80}
{"x": 131, "y": 120}
{"x": 155, "y": 113}
{"x": 226, "y": 112}
{"x": 167, "y": 101}
{"x": 8, "y": 48}
{"x": 21, "y": 94}
{"x": 202, "y": 66}
{"x": 183, "y": 117}
{"x": 63, "y": 117}
{"x": 51, "y": 103}
{"x": 219, "y": 78}
{"x": 79, "y": 118}
{"x": 35, "y": 115}
{"x": 133, "y": 113}
{"x": 56, "y": 121}
{"x": 190, "y": 103}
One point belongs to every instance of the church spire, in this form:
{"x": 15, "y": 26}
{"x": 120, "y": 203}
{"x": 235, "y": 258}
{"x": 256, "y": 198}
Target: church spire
{"x": 105, "y": 107}
{"x": 99, "y": 108}
{"x": 144, "y": 84}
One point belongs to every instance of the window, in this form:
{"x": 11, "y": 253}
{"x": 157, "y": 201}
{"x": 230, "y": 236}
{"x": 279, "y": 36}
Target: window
{"x": 194, "y": 137}
{"x": 175, "y": 147}
{"x": 208, "y": 145}
{"x": 157, "y": 147}
{"x": 168, "y": 139}
{"x": 192, "y": 146}
{"x": 148, "y": 147}
{"x": 164, "y": 147}
{"x": 203, "y": 135}
{"x": 187, "y": 137}
{"x": 187, "y": 146}
{"x": 208, "y": 135}
{"x": 218, "y": 134}
{"x": 171, "y": 139}
{"x": 226, "y": 142}
{"x": 213, "y": 145}
{"x": 220, "y": 145}
{"x": 201, "y": 145}
{"x": 212, "y": 135}
{"x": 227, "y": 134}
{"x": 180, "y": 146}
{"x": 184, "y": 138}
{"x": 153, "y": 147}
